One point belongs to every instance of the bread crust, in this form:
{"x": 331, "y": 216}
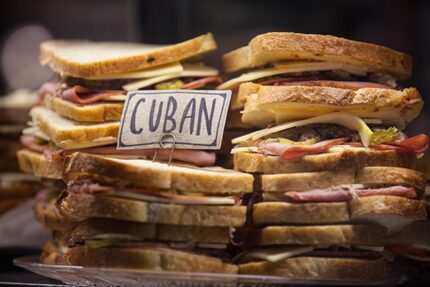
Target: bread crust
{"x": 333, "y": 161}
{"x": 156, "y": 175}
{"x": 359, "y": 234}
{"x": 91, "y": 113}
{"x": 273, "y": 213}
{"x": 84, "y": 59}
{"x": 146, "y": 258}
{"x": 393, "y": 205}
{"x": 39, "y": 165}
{"x": 374, "y": 175}
{"x": 277, "y": 104}
{"x": 274, "y": 47}
{"x": 319, "y": 268}
{"x": 363, "y": 209}
{"x": 90, "y": 206}
{"x": 69, "y": 134}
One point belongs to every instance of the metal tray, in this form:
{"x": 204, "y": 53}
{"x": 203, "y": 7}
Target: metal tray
{"x": 82, "y": 276}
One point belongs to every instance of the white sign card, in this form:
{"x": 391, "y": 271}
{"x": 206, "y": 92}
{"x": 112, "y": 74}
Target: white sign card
{"x": 192, "y": 119}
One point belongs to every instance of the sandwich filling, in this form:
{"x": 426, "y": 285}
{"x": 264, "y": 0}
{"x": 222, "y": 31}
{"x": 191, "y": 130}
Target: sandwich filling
{"x": 328, "y": 133}
{"x": 329, "y": 74}
{"x": 278, "y": 253}
{"x": 151, "y": 194}
{"x": 114, "y": 88}
{"x": 36, "y": 142}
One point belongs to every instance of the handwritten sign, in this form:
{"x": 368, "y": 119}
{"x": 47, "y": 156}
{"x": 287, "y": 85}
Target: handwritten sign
{"x": 192, "y": 119}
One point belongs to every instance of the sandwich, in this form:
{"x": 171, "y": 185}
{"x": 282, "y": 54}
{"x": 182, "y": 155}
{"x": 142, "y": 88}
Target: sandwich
{"x": 329, "y": 155}
{"x": 146, "y": 215}
{"x": 82, "y": 109}
{"x": 15, "y": 188}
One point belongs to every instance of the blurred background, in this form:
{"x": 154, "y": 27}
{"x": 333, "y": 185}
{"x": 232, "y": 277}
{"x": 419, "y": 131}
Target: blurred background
{"x": 400, "y": 24}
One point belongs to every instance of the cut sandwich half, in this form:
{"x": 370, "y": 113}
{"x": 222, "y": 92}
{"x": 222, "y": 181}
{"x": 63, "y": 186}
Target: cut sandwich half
{"x": 55, "y": 137}
{"x": 326, "y": 139}
{"x": 96, "y": 76}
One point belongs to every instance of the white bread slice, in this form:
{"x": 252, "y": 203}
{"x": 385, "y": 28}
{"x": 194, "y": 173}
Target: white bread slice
{"x": 330, "y": 161}
{"x": 53, "y": 253}
{"x": 284, "y": 46}
{"x": 85, "y": 59}
{"x": 90, "y": 206}
{"x": 177, "y": 233}
{"x": 275, "y": 213}
{"x": 145, "y": 173}
{"x": 373, "y": 175}
{"x": 264, "y": 105}
{"x": 90, "y": 113}
{"x": 157, "y": 259}
{"x": 393, "y": 212}
{"x": 358, "y": 234}
{"x": 39, "y": 165}
{"x": 69, "y": 134}
{"x": 319, "y": 268}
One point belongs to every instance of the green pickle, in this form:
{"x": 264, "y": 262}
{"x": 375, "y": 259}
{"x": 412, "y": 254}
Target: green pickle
{"x": 385, "y": 135}
{"x": 175, "y": 84}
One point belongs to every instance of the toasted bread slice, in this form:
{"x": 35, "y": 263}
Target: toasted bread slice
{"x": 39, "y": 165}
{"x": 100, "y": 112}
{"x": 90, "y": 206}
{"x": 53, "y": 253}
{"x": 265, "y": 105}
{"x": 48, "y": 215}
{"x": 372, "y": 175}
{"x": 145, "y": 173}
{"x": 69, "y": 134}
{"x": 359, "y": 234}
{"x": 275, "y": 47}
{"x": 148, "y": 259}
{"x": 85, "y": 59}
{"x": 177, "y": 233}
{"x": 331, "y": 161}
{"x": 275, "y": 213}
{"x": 319, "y": 268}
{"x": 392, "y": 212}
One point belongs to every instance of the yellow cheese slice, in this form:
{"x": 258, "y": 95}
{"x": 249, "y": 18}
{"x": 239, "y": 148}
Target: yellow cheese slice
{"x": 344, "y": 119}
{"x": 147, "y": 73}
{"x": 289, "y": 67}
{"x": 190, "y": 70}
{"x": 275, "y": 254}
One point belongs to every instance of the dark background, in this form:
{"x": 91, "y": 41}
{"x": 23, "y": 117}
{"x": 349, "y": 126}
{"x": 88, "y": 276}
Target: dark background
{"x": 403, "y": 25}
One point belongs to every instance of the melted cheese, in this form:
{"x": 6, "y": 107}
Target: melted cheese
{"x": 347, "y": 120}
{"x": 185, "y": 200}
{"x": 147, "y": 73}
{"x": 289, "y": 67}
{"x": 275, "y": 254}
{"x": 190, "y": 70}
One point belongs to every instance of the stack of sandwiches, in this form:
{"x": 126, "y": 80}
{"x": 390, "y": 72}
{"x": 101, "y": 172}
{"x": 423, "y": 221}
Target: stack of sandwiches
{"x": 333, "y": 167}
{"x": 123, "y": 208}
{"x": 314, "y": 194}
{"x": 15, "y": 187}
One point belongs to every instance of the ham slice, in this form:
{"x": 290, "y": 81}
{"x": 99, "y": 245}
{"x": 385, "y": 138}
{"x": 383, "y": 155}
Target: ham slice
{"x": 417, "y": 144}
{"x": 349, "y": 85}
{"x": 296, "y": 152}
{"x": 196, "y": 157}
{"x": 82, "y": 95}
{"x": 144, "y": 194}
{"x": 202, "y": 82}
{"x": 341, "y": 194}
{"x": 48, "y": 88}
